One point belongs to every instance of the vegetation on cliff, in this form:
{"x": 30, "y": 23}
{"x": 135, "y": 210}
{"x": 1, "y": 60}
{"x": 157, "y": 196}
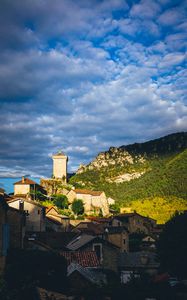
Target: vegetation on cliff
{"x": 162, "y": 165}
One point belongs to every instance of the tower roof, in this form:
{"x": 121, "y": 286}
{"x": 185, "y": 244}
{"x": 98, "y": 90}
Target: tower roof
{"x": 59, "y": 153}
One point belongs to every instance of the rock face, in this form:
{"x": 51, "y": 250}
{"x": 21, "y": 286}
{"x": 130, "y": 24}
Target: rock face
{"x": 117, "y": 158}
{"x": 54, "y": 186}
{"x": 125, "y": 177}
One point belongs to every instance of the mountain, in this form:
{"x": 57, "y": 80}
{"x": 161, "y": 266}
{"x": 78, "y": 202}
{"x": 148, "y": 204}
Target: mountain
{"x": 135, "y": 175}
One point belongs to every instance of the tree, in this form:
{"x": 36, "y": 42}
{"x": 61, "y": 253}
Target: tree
{"x": 172, "y": 246}
{"x": 61, "y": 201}
{"x": 78, "y": 207}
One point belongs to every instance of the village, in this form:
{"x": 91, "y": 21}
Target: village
{"x": 97, "y": 243}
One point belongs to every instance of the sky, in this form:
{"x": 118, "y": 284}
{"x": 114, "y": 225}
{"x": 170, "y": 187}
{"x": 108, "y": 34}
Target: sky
{"x": 81, "y": 76}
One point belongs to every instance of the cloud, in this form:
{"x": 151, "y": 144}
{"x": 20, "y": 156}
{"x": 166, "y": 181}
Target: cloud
{"x": 82, "y": 76}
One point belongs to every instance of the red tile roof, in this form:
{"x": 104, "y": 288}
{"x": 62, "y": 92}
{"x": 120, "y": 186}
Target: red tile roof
{"x": 83, "y": 258}
{"x": 88, "y": 192}
{"x": 26, "y": 181}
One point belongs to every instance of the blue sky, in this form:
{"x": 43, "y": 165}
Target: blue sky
{"x": 85, "y": 75}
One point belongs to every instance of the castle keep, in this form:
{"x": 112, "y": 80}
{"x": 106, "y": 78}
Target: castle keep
{"x": 60, "y": 166}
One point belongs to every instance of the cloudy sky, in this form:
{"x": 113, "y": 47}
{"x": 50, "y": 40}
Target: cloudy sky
{"x": 84, "y": 75}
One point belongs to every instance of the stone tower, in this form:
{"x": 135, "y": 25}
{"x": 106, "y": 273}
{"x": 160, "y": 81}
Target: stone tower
{"x": 60, "y": 166}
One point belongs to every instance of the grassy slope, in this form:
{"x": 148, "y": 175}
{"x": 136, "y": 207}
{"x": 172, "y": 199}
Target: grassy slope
{"x": 159, "y": 192}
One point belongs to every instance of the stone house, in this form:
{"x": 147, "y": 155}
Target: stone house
{"x": 26, "y": 186}
{"x": 56, "y": 221}
{"x": 137, "y": 263}
{"x": 35, "y": 213}
{"x": 107, "y": 252}
{"x": 134, "y": 222}
{"x": 4, "y": 232}
{"x": 118, "y": 236}
{"x": 94, "y": 201}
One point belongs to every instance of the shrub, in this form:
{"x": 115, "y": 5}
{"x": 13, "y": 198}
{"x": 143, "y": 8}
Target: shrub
{"x": 78, "y": 207}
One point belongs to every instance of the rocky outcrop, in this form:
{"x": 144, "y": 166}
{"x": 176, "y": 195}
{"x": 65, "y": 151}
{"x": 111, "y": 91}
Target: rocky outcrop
{"x": 125, "y": 177}
{"x": 115, "y": 156}
{"x": 54, "y": 186}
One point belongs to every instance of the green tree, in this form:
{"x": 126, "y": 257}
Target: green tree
{"x": 61, "y": 201}
{"x": 172, "y": 246}
{"x": 78, "y": 207}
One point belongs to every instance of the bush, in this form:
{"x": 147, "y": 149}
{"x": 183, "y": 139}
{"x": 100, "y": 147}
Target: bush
{"x": 61, "y": 201}
{"x": 78, "y": 207}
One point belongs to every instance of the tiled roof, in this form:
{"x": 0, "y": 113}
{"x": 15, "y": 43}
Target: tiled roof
{"x": 51, "y": 207}
{"x": 125, "y": 216}
{"x": 26, "y": 181}
{"x": 90, "y": 228}
{"x": 83, "y": 258}
{"x": 56, "y": 240}
{"x": 53, "y": 220}
{"x": 99, "y": 220}
{"x": 60, "y": 153}
{"x": 88, "y": 192}
{"x": 116, "y": 229}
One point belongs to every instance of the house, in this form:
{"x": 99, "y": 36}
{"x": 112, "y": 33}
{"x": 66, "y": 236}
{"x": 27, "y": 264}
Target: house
{"x": 4, "y": 232}
{"x": 35, "y": 213}
{"x": 94, "y": 201}
{"x": 17, "y": 225}
{"x": 118, "y": 236}
{"x": 137, "y": 263}
{"x": 56, "y": 221}
{"x": 107, "y": 252}
{"x": 26, "y": 187}
{"x": 134, "y": 222}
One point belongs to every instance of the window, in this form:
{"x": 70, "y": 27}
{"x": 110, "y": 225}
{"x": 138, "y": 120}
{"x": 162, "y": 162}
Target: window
{"x": 98, "y": 249}
{"x": 21, "y": 205}
{"x": 124, "y": 241}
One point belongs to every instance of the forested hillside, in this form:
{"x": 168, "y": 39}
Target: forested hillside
{"x": 142, "y": 172}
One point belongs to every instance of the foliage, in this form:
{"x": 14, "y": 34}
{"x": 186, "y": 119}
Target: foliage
{"x": 159, "y": 208}
{"x": 78, "y": 207}
{"x": 164, "y": 180}
{"x": 114, "y": 208}
{"x": 61, "y": 201}
{"x": 37, "y": 195}
{"x": 172, "y": 246}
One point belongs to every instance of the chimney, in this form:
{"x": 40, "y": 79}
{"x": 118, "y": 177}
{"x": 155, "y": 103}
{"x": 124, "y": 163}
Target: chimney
{"x": 23, "y": 179}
